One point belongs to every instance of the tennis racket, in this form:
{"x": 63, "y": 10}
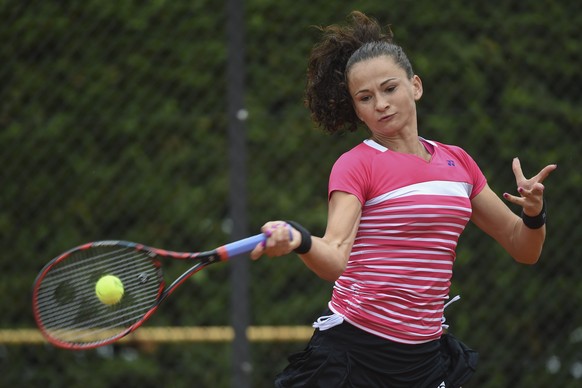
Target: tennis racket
{"x": 65, "y": 304}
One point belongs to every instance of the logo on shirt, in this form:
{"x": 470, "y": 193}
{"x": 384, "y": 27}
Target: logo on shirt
{"x": 451, "y": 163}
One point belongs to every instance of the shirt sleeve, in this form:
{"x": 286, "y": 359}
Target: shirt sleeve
{"x": 477, "y": 177}
{"x": 351, "y": 175}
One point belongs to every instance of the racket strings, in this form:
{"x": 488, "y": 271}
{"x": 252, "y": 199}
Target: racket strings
{"x": 69, "y": 308}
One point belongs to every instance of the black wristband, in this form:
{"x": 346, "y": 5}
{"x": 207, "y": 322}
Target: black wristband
{"x": 305, "y": 245}
{"x": 537, "y": 221}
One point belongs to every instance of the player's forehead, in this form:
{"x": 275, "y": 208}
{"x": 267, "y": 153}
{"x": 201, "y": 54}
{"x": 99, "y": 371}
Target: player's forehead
{"x": 374, "y": 71}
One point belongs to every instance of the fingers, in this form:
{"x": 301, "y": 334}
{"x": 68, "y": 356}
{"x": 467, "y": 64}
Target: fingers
{"x": 534, "y": 190}
{"x": 530, "y": 191}
{"x": 545, "y": 172}
{"x": 540, "y": 177}
{"x": 258, "y": 251}
{"x": 530, "y": 200}
{"x": 537, "y": 190}
{"x": 516, "y": 167}
{"x": 281, "y": 240}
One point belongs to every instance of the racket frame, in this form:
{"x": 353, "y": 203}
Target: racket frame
{"x": 201, "y": 259}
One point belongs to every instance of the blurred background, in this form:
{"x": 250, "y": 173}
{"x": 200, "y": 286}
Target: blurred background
{"x": 181, "y": 125}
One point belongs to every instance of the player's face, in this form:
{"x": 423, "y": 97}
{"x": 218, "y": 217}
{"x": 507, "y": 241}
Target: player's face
{"x": 384, "y": 97}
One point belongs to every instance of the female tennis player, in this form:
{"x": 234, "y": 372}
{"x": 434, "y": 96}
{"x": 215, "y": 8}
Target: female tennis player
{"x": 397, "y": 205}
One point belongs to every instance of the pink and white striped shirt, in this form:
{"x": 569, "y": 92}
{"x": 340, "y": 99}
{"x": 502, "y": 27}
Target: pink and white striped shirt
{"x": 399, "y": 271}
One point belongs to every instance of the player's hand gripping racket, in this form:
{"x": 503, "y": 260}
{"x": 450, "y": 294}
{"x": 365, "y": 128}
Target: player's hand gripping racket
{"x": 68, "y": 311}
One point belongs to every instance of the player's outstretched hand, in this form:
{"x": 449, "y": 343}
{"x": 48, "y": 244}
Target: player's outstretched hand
{"x": 531, "y": 191}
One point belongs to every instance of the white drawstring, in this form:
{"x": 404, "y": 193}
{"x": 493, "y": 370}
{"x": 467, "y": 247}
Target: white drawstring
{"x": 328, "y": 321}
{"x": 443, "y": 319}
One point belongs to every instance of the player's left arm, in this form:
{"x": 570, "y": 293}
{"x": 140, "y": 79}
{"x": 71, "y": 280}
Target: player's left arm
{"x": 496, "y": 219}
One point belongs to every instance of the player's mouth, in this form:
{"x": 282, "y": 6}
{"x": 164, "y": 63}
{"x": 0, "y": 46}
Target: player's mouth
{"x": 387, "y": 118}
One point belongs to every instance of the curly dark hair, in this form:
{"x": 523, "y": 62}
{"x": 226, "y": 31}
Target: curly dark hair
{"x": 326, "y": 93}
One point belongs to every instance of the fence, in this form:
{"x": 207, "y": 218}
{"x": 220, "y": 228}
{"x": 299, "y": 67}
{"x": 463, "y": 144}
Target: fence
{"x": 118, "y": 121}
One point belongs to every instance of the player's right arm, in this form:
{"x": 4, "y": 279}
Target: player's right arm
{"x": 329, "y": 254}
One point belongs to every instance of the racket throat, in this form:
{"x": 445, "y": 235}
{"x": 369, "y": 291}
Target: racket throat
{"x": 182, "y": 278}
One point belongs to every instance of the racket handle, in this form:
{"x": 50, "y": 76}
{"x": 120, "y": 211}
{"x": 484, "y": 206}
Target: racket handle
{"x": 243, "y": 246}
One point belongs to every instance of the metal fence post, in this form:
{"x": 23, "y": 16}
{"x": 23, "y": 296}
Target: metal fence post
{"x": 241, "y": 363}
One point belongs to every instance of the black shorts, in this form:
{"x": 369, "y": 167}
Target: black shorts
{"x": 345, "y": 356}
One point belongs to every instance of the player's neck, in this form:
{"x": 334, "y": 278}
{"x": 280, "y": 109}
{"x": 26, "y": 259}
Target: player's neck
{"x": 411, "y": 145}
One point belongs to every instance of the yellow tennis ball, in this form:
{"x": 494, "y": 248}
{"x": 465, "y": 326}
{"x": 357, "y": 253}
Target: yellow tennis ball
{"x": 109, "y": 289}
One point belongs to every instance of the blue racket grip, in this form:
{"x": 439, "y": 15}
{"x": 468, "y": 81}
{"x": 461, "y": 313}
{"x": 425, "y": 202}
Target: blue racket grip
{"x": 242, "y": 246}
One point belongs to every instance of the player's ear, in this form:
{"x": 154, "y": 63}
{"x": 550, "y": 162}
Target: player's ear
{"x": 417, "y": 87}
